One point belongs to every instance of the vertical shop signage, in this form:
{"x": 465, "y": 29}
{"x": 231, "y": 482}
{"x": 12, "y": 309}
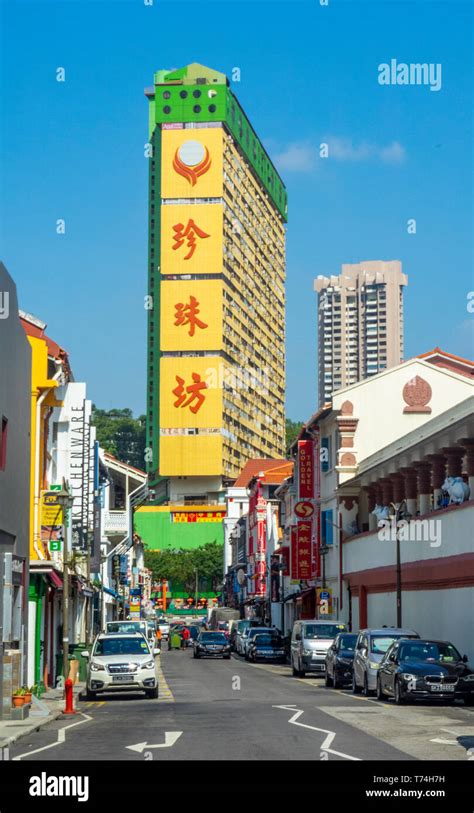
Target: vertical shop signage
{"x": 305, "y": 469}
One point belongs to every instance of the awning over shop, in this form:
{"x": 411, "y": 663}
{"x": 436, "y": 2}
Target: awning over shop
{"x": 55, "y": 580}
{"x": 111, "y": 592}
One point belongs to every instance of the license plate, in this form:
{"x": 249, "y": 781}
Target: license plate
{"x": 438, "y": 687}
{"x": 122, "y": 679}
{"x": 320, "y": 667}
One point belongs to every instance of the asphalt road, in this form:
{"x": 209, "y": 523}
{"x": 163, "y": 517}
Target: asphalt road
{"x": 217, "y": 709}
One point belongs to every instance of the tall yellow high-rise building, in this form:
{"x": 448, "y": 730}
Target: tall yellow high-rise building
{"x": 216, "y": 324}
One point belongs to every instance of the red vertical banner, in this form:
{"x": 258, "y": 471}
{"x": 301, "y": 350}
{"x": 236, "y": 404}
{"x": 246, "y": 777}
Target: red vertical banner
{"x": 294, "y": 552}
{"x": 304, "y": 549}
{"x": 306, "y": 469}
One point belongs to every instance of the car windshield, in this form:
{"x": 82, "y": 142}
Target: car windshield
{"x": 253, "y": 632}
{"x": 314, "y": 631}
{"x": 268, "y": 640}
{"x": 380, "y": 643}
{"x": 429, "y": 652}
{"x": 347, "y": 642}
{"x": 121, "y": 646}
{"x": 126, "y": 626}
{"x": 213, "y": 638}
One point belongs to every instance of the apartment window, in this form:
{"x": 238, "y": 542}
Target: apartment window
{"x": 3, "y": 443}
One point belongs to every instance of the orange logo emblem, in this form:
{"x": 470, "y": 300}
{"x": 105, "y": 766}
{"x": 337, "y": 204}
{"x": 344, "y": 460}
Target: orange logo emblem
{"x": 191, "y": 160}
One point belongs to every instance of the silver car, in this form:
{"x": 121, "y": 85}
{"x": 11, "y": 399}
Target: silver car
{"x": 370, "y": 649}
{"x": 121, "y": 663}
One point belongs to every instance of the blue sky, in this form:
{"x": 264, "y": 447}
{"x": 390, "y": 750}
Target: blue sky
{"x": 74, "y": 150}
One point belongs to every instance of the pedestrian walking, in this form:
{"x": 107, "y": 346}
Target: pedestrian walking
{"x": 185, "y": 636}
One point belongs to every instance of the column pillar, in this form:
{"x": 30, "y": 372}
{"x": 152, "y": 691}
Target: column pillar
{"x": 423, "y": 474}
{"x": 454, "y": 456}
{"x": 387, "y": 490}
{"x": 411, "y": 488}
{"x": 372, "y": 498}
{"x": 438, "y": 476}
{"x": 398, "y": 485}
{"x": 468, "y": 444}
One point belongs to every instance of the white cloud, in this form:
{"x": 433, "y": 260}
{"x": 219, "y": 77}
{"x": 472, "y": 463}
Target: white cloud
{"x": 297, "y": 157}
{"x": 302, "y": 156}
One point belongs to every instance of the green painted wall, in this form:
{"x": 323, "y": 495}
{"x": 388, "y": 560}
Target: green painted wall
{"x": 159, "y": 533}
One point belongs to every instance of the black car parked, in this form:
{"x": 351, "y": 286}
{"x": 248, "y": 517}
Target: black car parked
{"x": 425, "y": 669}
{"x": 267, "y": 646}
{"x": 211, "y": 645}
{"x": 339, "y": 660}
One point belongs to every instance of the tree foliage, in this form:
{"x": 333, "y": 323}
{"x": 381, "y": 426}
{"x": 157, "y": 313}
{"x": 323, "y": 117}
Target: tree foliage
{"x": 122, "y": 435}
{"x": 292, "y": 431}
{"x": 179, "y": 566}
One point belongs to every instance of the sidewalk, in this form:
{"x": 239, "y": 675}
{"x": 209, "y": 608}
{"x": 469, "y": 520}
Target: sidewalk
{"x": 42, "y": 712}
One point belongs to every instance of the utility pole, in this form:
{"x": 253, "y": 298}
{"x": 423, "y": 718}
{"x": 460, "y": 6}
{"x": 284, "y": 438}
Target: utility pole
{"x": 196, "y": 592}
{"x": 65, "y": 500}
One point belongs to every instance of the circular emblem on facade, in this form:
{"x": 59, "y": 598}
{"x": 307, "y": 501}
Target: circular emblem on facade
{"x": 417, "y": 394}
{"x": 191, "y": 160}
{"x": 304, "y": 509}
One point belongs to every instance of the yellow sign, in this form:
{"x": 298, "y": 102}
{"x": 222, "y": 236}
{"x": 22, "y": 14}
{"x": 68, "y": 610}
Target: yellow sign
{"x": 191, "y": 315}
{"x": 190, "y": 455}
{"x": 192, "y": 238}
{"x": 190, "y": 392}
{"x": 51, "y": 511}
{"x": 192, "y": 163}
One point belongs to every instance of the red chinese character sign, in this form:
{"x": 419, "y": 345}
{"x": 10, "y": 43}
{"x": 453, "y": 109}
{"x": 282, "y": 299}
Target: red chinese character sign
{"x": 188, "y": 233}
{"x": 195, "y": 397}
{"x": 305, "y": 469}
{"x": 186, "y": 314}
{"x": 304, "y": 548}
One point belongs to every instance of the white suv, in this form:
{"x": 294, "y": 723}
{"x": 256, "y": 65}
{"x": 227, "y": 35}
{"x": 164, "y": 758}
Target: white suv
{"x": 122, "y": 663}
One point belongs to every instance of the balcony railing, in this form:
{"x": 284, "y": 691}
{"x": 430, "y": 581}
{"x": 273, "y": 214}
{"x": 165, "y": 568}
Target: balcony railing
{"x": 115, "y": 522}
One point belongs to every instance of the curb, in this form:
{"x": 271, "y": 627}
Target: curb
{"x": 54, "y": 715}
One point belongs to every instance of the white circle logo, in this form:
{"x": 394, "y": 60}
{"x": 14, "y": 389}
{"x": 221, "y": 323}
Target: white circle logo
{"x": 191, "y": 153}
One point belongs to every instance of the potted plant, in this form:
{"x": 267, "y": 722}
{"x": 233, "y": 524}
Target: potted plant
{"x": 28, "y": 694}
{"x": 18, "y": 698}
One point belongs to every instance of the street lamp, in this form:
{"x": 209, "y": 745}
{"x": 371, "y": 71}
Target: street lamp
{"x": 66, "y": 501}
{"x": 398, "y": 515}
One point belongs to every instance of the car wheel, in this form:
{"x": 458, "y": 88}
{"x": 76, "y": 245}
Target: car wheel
{"x": 469, "y": 700}
{"x": 227, "y": 657}
{"x": 328, "y": 681}
{"x": 152, "y": 694}
{"x": 355, "y": 688}
{"x": 379, "y": 693}
{"x": 399, "y": 699}
{"x": 90, "y": 695}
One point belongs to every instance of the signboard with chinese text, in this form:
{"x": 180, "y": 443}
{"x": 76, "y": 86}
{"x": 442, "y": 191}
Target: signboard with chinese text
{"x": 192, "y": 238}
{"x": 191, "y": 315}
{"x": 197, "y": 516}
{"x": 304, "y": 549}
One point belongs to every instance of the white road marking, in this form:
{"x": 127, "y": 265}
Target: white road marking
{"x": 330, "y": 734}
{"x": 170, "y": 738}
{"x": 444, "y": 742}
{"x": 61, "y": 737}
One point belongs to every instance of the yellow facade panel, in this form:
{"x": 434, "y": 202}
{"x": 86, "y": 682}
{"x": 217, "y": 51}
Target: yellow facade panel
{"x": 192, "y": 238}
{"x": 193, "y": 455}
{"x": 191, "y": 315}
{"x": 192, "y": 163}
{"x": 191, "y": 392}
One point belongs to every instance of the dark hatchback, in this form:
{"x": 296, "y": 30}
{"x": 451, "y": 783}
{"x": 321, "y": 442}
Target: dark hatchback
{"x": 211, "y": 645}
{"x": 267, "y": 647}
{"x": 339, "y": 660}
{"x": 425, "y": 670}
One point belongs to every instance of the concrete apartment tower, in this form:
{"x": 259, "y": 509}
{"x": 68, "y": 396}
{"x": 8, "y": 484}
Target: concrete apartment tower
{"x": 360, "y": 323}
{"x": 216, "y": 277}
